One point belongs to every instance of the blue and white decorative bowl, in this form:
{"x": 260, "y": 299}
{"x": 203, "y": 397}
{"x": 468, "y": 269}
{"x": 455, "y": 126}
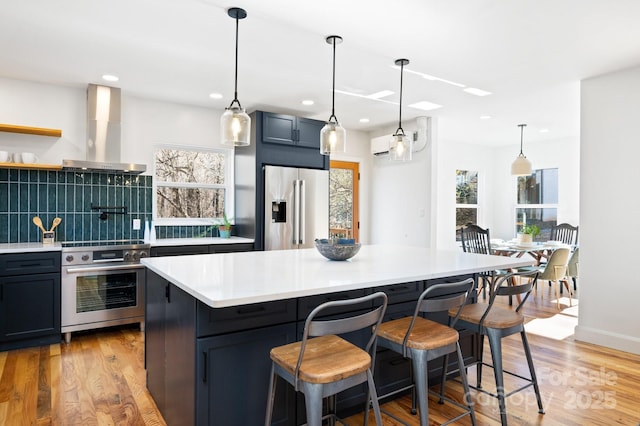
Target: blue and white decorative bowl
{"x": 341, "y": 250}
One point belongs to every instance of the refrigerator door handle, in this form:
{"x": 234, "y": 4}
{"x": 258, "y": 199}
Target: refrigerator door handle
{"x": 303, "y": 202}
{"x": 296, "y": 211}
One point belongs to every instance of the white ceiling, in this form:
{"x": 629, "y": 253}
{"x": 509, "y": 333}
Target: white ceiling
{"x": 530, "y": 54}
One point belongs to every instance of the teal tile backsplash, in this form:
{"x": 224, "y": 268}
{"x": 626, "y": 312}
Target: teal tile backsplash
{"x": 69, "y": 195}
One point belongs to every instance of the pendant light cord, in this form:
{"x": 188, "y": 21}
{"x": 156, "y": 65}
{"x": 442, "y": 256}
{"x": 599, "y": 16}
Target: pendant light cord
{"x": 400, "y": 130}
{"x": 521, "y": 136}
{"x": 235, "y": 89}
{"x": 333, "y": 91}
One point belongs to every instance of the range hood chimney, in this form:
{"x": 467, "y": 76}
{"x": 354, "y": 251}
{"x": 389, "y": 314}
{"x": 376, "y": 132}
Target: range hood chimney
{"x": 103, "y": 134}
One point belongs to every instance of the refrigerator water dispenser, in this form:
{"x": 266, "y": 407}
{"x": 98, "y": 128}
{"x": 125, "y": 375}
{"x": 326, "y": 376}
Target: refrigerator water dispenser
{"x": 278, "y": 211}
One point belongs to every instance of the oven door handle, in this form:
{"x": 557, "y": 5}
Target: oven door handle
{"x": 103, "y": 268}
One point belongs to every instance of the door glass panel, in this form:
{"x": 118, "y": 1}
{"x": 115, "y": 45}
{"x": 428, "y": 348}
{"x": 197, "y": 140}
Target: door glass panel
{"x": 101, "y": 292}
{"x": 343, "y": 211}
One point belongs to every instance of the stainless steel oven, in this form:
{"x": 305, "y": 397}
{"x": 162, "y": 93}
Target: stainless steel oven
{"x": 102, "y": 285}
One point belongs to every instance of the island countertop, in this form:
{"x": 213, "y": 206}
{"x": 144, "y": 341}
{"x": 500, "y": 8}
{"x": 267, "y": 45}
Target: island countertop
{"x": 233, "y": 279}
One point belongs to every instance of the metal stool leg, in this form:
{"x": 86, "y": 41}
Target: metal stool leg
{"x": 465, "y": 383}
{"x": 374, "y": 398}
{"x": 445, "y": 362}
{"x": 495, "y": 344}
{"x": 420, "y": 372}
{"x": 532, "y": 370}
{"x": 479, "y": 365}
{"x": 271, "y": 397}
{"x": 313, "y": 402}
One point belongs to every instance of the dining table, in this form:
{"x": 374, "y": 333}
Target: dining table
{"x": 538, "y": 250}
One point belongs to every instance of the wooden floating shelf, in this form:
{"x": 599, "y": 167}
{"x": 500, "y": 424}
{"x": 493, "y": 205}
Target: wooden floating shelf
{"x": 41, "y": 131}
{"x": 32, "y": 166}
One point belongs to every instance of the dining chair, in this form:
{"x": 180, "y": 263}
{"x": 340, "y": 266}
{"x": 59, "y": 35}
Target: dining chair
{"x": 566, "y": 233}
{"x": 323, "y": 363}
{"x": 477, "y": 240}
{"x": 555, "y": 270}
{"x": 423, "y": 340}
{"x": 572, "y": 268}
{"x": 497, "y": 321}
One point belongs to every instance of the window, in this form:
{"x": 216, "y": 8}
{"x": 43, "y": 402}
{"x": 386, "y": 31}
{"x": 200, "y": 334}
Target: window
{"x": 192, "y": 185}
{"x": 466, "y": 199}
{"x": 537, "y": 201}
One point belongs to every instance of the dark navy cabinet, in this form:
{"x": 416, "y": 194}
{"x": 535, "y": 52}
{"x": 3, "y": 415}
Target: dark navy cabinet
{"x": 183, "y": 250}
{"x": 29, "y": 299}
{"x": 290, "y": 130}
{"x": 170, "y": 324}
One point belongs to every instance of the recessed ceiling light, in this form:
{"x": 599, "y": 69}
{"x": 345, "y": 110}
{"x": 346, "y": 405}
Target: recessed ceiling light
{"x": 485, "y": 117}
{"x": 215, "y": 95}
{"x": 307, "y": 102}
{"x": 109, "y": 77}
{"x": 544, "y": 130}
{"x": 432, "y": 77}
{"x": 381, "y": 94}
{"x": 477, "y": 92}
{"x": 425, "y": 106}
{"x": 364, "y": 120}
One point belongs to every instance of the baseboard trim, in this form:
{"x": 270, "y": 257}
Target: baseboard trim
{"x": 608, "y": 339}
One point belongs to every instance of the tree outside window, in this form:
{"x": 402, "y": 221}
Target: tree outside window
{"x": 466, "y": 199}
{"x": 192, "y": 186}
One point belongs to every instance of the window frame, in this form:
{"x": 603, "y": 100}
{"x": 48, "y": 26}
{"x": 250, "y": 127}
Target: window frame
{"x": 475, "y": 206}
{"x": 520, "y": 206}
{"x": 228, "y": 186}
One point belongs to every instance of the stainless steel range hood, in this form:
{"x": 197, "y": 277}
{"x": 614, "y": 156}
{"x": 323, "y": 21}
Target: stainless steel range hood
{"x": 103, "y": 134}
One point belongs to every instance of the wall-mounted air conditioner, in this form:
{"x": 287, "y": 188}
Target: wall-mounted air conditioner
{"x": 380, "y": 145}
{"x": 421, "y": 137}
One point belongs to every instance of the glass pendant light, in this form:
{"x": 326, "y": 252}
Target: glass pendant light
{"x": 521, "y": 166}
{"x": 400, "y": 147}
{"x": 235, "y": 123}
{"x": 333, "y": 137}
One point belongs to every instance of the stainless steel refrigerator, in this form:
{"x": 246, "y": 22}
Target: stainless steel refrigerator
{"x": 296, "y": 207}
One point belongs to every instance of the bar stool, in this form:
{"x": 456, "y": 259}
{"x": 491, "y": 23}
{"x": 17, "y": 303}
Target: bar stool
{"x": 424, "y": 340}
{"x": 327, "y": 364}
{"x": 496, "y": 322}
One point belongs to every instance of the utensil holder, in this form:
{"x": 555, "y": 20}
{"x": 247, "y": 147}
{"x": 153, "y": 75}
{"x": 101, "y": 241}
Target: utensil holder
{"x": 48, "y": 237}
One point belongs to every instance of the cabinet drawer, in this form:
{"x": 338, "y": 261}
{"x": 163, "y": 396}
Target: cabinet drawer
{"x": 230, "y": 248}
{"x": 406, "y": 292}
{"x": 308, "y": 304}
{"x": 29, "y": 263}
{"x": 179, "y": 250}
{"x": 212, "y": 321}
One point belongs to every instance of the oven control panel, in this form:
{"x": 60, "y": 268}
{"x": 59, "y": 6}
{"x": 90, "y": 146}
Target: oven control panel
{"x": 104, "y": 255}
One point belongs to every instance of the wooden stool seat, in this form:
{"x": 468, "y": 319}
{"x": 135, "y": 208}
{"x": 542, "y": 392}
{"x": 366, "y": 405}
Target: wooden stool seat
{"x": 425, "y": 335}
{"x": 498, "y": 317}
{"x": 326, "y": 359}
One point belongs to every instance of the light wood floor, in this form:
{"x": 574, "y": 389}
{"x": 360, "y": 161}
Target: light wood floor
{"x": 99, "y": 379}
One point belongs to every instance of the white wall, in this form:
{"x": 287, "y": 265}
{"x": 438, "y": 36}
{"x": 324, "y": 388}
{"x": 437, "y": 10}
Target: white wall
{"x": 145, "y": 123}
{"x": 39, "y": 105}
{"x": 401, "y": 194}
{"x": 609, "y": 285}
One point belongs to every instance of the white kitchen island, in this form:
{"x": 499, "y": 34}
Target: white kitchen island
{"x": 212, "y": 319}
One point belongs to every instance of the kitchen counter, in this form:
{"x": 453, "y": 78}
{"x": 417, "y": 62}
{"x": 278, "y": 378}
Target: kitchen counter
{"x": 28, "y": 247}
{"x": 233, "y": 279}
{"x": 199, "y": 241}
